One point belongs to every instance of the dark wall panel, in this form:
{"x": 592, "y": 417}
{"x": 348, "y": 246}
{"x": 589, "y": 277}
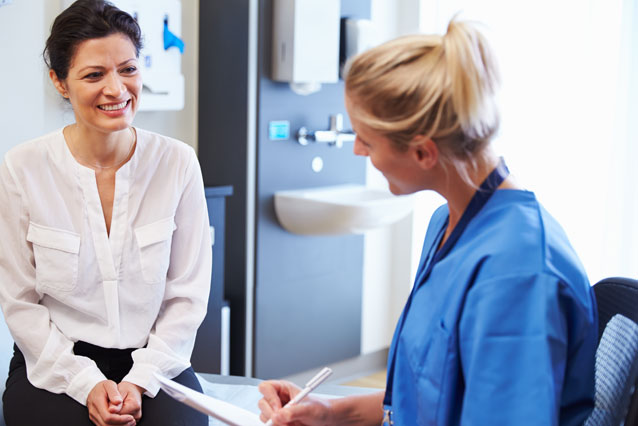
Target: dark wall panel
{"x": 223, "y": 90}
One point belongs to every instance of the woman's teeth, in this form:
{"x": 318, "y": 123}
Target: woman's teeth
{"x": 113, "y": 107}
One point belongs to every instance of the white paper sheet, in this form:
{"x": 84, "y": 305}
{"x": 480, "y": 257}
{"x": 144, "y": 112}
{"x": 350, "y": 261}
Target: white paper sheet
{"x": 244, "y": 396}
{"x": 216, "y": 408}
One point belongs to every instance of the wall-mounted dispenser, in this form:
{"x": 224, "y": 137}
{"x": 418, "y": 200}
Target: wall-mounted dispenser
{"x": 161, "y": 57}
{"x": 305, "y": 43}
{"x": 360, "y": 35}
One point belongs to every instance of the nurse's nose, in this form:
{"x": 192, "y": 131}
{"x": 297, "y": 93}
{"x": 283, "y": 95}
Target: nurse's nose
{"x": 114, "y": 86}
{"x": 359, "y": 148}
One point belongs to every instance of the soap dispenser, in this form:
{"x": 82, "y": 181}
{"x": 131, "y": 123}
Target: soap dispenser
{"x": 306, "y": 41}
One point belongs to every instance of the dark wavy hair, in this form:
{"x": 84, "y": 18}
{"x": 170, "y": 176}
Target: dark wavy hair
{"x": 86, "y": 20}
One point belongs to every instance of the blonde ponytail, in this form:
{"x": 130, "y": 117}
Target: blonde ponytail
{"x": 442, "y": 87}
{"x": 473, "y": 79}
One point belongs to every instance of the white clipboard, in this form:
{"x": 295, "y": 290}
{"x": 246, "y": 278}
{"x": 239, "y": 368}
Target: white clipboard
{"x": 221, "y": 410}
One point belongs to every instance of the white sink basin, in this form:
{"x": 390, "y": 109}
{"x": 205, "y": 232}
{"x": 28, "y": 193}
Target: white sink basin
{"x": 340, "y": 209}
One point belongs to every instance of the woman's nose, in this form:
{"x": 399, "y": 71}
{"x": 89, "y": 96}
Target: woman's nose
{"x": 114, "y": 86}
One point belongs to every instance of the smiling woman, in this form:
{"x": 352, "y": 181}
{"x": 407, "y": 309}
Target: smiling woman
{"x": 103, "y": 85}
{"x": 95, "y": 295}
{"x": 104, "y": 74}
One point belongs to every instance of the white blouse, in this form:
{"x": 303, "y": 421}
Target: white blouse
{"x": 64, "y": 279}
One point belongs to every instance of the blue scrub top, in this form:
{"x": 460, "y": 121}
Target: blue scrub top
{"x": 504, "y": 329}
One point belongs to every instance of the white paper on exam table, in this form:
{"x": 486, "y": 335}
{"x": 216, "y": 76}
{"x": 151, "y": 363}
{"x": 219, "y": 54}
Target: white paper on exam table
{"x": 222, "y": 410}
{"x": 244, "y": 396}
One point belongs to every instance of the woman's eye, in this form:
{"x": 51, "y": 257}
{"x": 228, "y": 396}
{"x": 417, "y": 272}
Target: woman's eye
{"x": 129, "y": 70}
{"x": 93, "y": 75}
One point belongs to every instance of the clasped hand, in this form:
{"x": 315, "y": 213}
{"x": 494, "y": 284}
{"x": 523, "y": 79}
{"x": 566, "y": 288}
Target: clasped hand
{"x": 111, "y": 404}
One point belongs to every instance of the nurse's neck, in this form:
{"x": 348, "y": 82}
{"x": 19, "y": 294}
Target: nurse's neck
{"x": 458, "y": 192}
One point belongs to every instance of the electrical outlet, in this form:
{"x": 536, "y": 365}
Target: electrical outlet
{"x": 5, "y": 2}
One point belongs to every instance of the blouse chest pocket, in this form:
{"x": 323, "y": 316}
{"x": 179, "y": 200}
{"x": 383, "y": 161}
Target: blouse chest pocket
{"x": 56, "y": 254}
{"x": 154, "y": 242}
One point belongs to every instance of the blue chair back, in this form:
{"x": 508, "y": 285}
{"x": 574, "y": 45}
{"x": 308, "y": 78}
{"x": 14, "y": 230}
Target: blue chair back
{"x": 616, "y": 372}
{"x": 618, "y": 295}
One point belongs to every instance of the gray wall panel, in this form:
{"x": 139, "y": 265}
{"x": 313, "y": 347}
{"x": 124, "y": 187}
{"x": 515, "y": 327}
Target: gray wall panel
{"x": 222, "y": 148}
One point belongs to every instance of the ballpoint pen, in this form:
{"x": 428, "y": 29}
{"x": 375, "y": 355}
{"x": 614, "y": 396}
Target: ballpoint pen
{"x": 310, "y": 386}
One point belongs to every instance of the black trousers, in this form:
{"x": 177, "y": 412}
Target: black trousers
{"x": 26, "y": 405}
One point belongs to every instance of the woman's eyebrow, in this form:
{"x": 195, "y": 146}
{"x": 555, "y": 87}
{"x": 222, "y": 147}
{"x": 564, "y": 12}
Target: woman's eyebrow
{"x": 100, "y": 67}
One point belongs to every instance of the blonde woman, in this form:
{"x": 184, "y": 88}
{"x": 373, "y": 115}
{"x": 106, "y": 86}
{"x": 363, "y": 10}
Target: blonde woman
{"x": 501, "y": 325}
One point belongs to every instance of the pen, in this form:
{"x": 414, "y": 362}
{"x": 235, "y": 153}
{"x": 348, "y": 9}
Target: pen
{"x": 310, "y": 386}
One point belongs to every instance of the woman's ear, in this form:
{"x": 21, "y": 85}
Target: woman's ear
{"x": 59, "y": 85}
{"x": 425, "y": 152}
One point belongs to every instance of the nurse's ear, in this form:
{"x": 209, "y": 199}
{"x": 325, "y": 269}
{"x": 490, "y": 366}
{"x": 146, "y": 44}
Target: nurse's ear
{"x": 59, "y": 84}
{"x": 424, "y": 152}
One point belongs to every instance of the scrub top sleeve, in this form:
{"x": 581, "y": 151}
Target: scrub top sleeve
{"x": 185, "y": 299}
{"x": 513, "y": 346}
{"x": 51, "y": 363}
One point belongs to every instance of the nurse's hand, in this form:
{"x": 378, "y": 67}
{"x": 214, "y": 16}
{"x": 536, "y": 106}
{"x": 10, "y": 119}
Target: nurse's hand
{"x": 104, "y": 404}
{"x": 360, "y": 410}
{"x": 311, "y": 411}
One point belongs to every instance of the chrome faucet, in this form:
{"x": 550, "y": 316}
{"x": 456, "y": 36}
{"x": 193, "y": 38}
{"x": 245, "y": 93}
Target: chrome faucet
{"x": 335, "y": 136}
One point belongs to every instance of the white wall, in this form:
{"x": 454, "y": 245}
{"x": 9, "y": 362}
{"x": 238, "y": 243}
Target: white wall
{"x": 22, "y": 107}
{"x": 29, "y": 106}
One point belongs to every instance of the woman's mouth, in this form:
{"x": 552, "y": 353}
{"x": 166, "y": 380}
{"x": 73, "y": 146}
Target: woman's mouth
{"x": 114, "y": 107}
